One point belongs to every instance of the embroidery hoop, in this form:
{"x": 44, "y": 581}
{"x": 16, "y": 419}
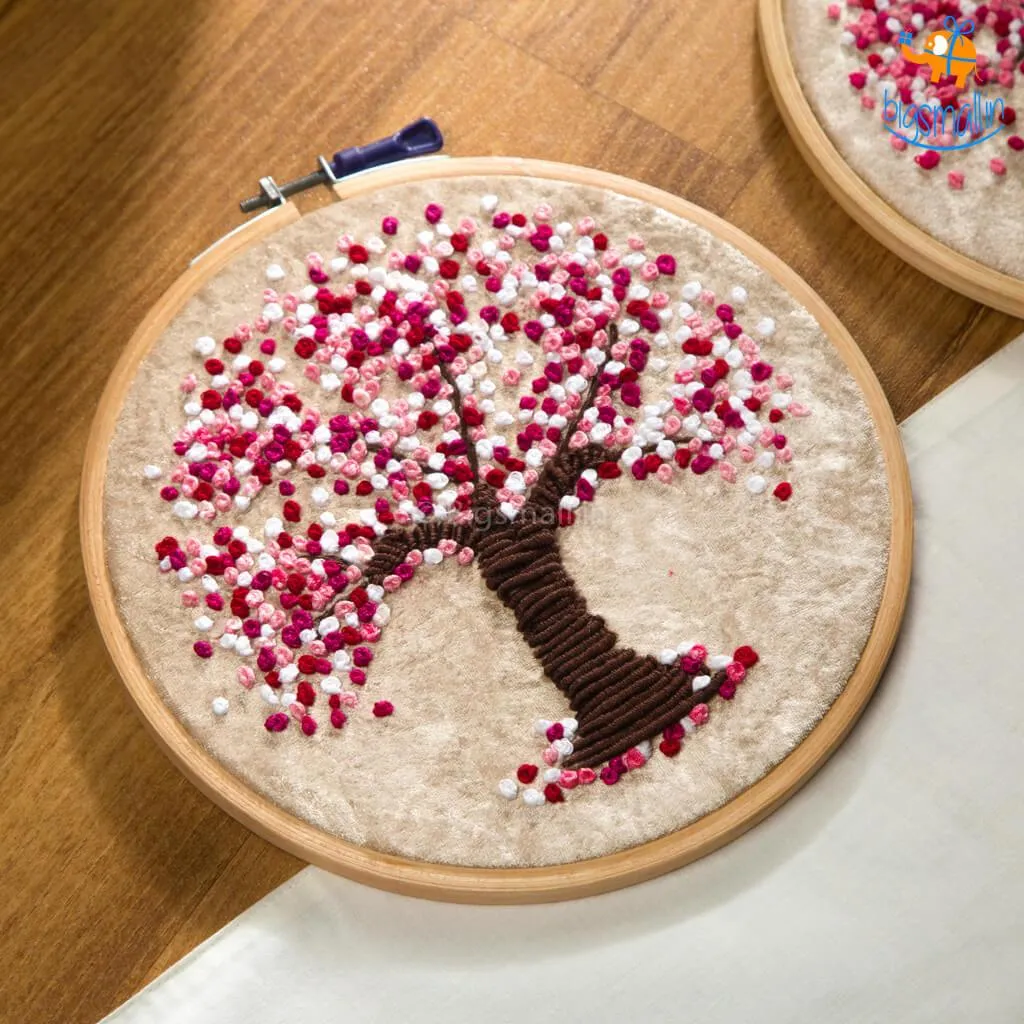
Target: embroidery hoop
{"x": 493, "y": 885}
{"x": 888, "y": 227}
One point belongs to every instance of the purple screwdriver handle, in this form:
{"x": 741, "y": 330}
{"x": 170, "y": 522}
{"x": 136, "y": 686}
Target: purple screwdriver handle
{"x": 416, "y": 139}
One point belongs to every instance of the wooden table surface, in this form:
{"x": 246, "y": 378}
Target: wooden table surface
{"x": 130, "y": 129}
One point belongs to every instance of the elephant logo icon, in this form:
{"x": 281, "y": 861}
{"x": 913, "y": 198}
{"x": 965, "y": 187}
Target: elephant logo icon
{"x": 948, "y": 53}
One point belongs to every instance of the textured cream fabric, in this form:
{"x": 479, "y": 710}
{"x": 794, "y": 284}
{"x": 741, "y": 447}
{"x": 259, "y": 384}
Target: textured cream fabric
{"x": 983, "y": 221}
{"x": 698, "y": 559}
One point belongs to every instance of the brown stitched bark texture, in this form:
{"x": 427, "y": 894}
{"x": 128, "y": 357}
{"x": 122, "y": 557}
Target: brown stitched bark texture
{"x": 619, "y": 697}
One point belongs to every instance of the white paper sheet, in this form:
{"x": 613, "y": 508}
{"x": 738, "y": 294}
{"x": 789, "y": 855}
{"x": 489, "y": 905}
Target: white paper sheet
{"x": 890, "y": 889}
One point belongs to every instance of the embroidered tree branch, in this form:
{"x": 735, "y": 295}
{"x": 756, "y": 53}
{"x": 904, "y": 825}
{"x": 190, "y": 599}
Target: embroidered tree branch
{"x": 464, "y": 396}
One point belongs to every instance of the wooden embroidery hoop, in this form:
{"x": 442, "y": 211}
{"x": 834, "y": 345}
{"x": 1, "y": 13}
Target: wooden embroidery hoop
{"x": 493, "y": 885}
{"x": 857, "y": 198}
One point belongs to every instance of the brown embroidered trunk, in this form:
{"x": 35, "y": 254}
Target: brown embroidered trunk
{"x": 619, "y": 697}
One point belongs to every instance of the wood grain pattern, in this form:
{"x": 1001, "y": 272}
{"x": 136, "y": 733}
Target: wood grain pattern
{"x": 484, "y": 885}
{"x": 130, "y": 129}
{"x": 852, "y": 192}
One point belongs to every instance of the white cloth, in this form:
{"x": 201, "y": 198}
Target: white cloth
{"x": 888, "y": 890}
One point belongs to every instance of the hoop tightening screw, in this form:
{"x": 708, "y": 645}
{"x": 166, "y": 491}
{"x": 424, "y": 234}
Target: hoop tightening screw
{"x": 272, "y": 194}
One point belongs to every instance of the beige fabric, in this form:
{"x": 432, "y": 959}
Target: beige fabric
{"x": 697, "y": 559}
{"x": 983, "y": 221}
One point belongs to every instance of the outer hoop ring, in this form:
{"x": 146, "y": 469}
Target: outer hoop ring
{"x": 494, "y": 885}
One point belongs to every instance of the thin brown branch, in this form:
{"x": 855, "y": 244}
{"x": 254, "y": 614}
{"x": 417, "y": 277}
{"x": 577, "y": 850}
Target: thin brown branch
{"x": 558, "y": 477}
{"x": 391, "y": 549}
{"x": 456, "y": 399}
{"x": 588, "y": 399}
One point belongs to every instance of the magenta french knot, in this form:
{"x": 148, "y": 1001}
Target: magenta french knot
{"x": 458, "y": 396}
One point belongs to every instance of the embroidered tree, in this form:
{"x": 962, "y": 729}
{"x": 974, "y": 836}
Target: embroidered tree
{"x": 464, "y": 397}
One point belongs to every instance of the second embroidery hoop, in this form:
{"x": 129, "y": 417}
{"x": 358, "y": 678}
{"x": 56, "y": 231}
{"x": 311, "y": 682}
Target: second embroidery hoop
{"x": 470, "y": 884}
{"x": 885, "y": 224}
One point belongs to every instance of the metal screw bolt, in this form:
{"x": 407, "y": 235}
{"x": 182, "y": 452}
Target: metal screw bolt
{"x": 272, "y": 194}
